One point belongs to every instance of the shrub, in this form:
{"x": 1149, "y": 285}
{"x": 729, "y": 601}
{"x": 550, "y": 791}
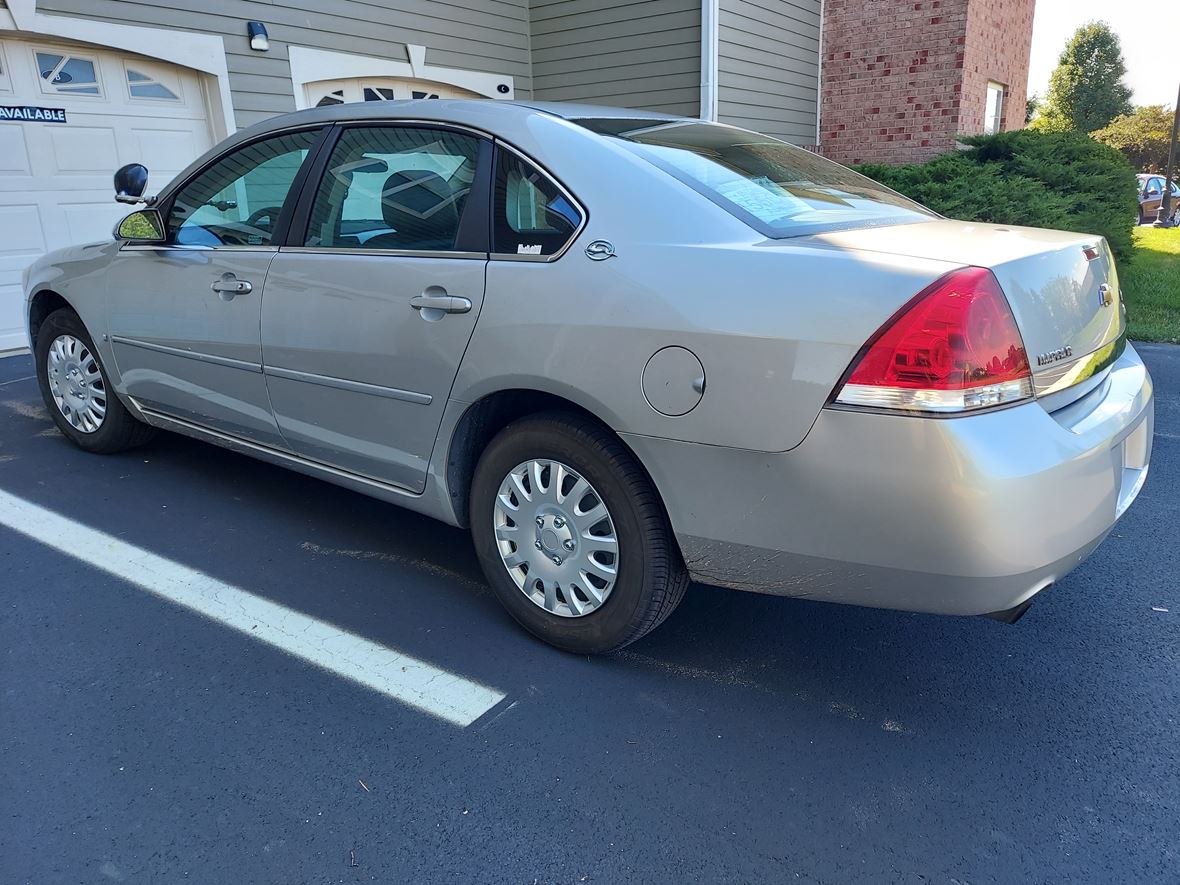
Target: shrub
{"x": 1143, "y": 136}
{"x": 1062, "y": 180}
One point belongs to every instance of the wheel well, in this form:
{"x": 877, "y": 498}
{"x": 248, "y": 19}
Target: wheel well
{"x": 487, "y": 417}
{"x": 44, "y": 303}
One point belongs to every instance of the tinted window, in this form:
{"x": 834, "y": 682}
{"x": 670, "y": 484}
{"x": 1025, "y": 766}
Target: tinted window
{"x": 776, "y": 188}
{"x": 394, "y": 188}
{"x": 236, "y": 201}
{"x": 531, "y": 215}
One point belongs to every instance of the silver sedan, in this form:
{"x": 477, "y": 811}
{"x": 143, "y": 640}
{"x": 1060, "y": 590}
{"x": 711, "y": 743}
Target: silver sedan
{"x": 626, "y": 350}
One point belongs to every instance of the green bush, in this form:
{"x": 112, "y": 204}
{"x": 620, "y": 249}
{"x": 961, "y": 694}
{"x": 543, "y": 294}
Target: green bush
{"x": 1062, "y": 180}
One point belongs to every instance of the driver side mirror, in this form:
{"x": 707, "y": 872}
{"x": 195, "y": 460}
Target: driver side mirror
{"x": 144, "y": 226}
{"x": 130, "y": 183}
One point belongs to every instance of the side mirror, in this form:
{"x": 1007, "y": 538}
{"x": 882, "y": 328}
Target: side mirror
{"x": 130, "y": 183}
{"x": 144, "y": 226}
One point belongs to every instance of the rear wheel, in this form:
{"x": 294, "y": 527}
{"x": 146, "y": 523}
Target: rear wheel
{"x": 77, "y": 392}
{"x": 571, "y": 535}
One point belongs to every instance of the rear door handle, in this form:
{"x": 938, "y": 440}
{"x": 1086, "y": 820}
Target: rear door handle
{"x": 445, "y": 303}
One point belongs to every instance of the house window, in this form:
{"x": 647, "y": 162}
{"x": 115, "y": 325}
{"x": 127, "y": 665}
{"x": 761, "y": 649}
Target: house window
{"x": 140, "y": 85}
{"x": 993, "y": 115}
{"x": 68, "y": 74}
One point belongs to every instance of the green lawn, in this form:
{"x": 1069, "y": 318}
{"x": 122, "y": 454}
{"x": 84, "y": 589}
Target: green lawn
{"x": 1151, "y": 285}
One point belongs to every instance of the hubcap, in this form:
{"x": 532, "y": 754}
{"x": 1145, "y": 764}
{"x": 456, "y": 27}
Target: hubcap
{"x": 556, "y": 538}
{"x": 76, "y": 383}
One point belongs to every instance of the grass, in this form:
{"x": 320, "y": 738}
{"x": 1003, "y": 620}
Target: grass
{"x": 1151, "y": 285}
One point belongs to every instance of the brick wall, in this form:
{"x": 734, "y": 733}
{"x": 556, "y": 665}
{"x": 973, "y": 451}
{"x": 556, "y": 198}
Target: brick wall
{"x": 902, "y": 78}
{"x": 999, "y": 38}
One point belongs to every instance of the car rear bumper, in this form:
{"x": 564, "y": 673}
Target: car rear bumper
{"x": 968, "y": 515}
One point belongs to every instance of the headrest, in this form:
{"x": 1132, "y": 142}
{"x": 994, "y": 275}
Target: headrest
{"x": 421, "y": 207}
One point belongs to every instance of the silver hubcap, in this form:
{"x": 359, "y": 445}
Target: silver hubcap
{"x": 556, "y": 538}
{"x": 76, "y": 383}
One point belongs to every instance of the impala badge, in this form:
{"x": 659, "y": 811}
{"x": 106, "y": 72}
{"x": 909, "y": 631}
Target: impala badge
{"x": 1054, "y": 356}
{"x": 600, "y": 250}
{"x": 1105, "y": 295}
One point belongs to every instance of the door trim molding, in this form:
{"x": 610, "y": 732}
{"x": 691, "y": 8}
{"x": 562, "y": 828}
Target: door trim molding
{"x": 317, "y": 65}
{"x": 408, "y": 396}
{"x": 226, "y": 361}
{"x": 203, "y": 53}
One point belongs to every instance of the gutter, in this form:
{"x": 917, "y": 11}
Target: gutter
{"x": 710, "y": 27}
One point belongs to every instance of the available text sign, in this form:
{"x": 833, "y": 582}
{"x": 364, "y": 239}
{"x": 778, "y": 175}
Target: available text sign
{"x": 32, "y": 114}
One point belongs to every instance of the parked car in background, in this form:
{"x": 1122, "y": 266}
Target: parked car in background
{"x": 625, "y": 349}
{"x": 1151, "y": 196}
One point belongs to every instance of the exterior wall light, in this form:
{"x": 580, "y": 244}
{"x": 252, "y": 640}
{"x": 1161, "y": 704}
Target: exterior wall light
{"x": 259, "y": 40}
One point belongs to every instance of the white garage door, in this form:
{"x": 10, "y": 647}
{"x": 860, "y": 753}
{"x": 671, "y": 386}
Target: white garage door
{"x": 55, "y": 177}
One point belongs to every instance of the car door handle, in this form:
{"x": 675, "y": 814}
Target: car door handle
{"x": 228, "y": 286}
{"x": 445, "y": 303}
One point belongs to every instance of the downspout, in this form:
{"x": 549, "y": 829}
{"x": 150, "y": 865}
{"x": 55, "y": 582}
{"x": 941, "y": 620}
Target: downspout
{"x": 819, "y": 79}
{"x": 709, "y": 50}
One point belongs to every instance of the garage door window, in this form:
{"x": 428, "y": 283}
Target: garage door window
{"x": 5, "y": 80}
{"x": 236, "y": 201}
{"x": 68, "y": 74}
{"x": 140, "y": 85}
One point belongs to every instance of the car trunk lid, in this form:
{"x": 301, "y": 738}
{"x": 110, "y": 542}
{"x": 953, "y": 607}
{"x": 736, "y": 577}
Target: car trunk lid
{"x": 1062, "y": 287}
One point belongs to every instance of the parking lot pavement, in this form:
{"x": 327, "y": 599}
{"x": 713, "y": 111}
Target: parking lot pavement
{"x": 149, "y": 734}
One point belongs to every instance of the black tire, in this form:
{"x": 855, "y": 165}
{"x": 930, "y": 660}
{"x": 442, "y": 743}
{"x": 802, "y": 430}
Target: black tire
{"x": 651, "y": 578}
{"x": 119, "y": 430}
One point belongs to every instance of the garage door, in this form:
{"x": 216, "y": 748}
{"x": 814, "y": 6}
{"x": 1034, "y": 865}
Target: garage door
{"x": 55, "y": 177}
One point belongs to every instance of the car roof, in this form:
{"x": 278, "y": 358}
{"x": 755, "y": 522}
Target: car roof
{"x": 457, "y": 110}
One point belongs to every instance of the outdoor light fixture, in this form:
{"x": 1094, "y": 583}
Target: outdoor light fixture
{"x": 259, "y": 40}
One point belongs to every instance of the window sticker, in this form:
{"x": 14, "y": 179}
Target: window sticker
{"x": 522, "y": 249}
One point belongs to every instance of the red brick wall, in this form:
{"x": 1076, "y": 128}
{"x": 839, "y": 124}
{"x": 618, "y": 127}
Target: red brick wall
{"x": 902, "y": 78}
{"x": 999, "y": 38}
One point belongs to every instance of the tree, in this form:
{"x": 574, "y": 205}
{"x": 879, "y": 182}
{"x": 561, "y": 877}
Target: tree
{"x": 1032, "y": 107}
{"x": 1086, "y": 89}
{"x": 1142, "y": 135}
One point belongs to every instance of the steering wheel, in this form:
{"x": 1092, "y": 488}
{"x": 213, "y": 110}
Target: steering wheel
{"x": 270, "y": 212}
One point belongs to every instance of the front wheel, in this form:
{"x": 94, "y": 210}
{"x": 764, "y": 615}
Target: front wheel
{"x": 78, "y": 393}
{"x": 571, "y": 535}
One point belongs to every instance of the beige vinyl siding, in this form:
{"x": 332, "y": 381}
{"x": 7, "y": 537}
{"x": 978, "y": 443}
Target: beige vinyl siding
{"x": 768, "y": 66}
{"x": 477, "y": 35}
{"x": 630, "y": 53}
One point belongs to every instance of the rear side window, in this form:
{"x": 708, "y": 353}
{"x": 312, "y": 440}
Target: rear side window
{"x": 531, "y": 214}
{"x": 394, "y": 187}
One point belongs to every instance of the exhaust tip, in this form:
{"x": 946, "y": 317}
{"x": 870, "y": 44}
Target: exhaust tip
{"x": 1010, "y": 615}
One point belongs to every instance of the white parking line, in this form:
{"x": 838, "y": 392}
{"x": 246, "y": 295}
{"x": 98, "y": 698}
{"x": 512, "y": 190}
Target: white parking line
{"x": 398, "y": 676}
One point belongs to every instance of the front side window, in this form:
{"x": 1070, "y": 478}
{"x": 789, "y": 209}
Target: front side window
{"x": 236, "y": 201}
{"x": 531, "y": 215}
{"x": 394, "y": 187}
{"x": 993, "y": 114}
{"x": 776, "y": 188}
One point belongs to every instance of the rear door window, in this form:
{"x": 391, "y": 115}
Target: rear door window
{"x": 394, "y": 187}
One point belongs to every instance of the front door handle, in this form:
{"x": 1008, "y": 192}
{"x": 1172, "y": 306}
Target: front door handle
{"x": 228, "y": 285}
{"x": 445, "y": 303}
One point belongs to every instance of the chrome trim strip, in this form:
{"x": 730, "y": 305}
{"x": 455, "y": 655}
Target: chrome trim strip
{"x": 1062, "y": 375}
{"x": 266, "y": 453}
{"x": 189, "y": 354}
{"x": 509, "y": 256}
{"x": 173, "y": 247}
{"x": 392, "y": 253}
{"x": 409, "y": 396}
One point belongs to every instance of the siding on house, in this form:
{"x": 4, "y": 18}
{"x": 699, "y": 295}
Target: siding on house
{"x": 768, "y": 66}
{"x": 630, "y": 53}
{"x": 478, "y": 35}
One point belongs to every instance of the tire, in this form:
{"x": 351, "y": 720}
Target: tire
{"x": 118, "y": 430}
{"x": 650, "y": 578}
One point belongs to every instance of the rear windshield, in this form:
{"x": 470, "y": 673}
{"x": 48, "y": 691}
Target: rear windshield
{"x": 776, "y": 188}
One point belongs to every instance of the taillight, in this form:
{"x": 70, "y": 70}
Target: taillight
{"x": 954, "y": 348}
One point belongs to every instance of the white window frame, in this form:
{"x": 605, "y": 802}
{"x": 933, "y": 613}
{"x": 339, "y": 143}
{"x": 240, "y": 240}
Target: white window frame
{"x": 320, "y": 65}
{"x": 993, "y": 123}
{"x": 66, "y": 54}
{"x": 5, "y": 75}
{"x": 155, "y": 78}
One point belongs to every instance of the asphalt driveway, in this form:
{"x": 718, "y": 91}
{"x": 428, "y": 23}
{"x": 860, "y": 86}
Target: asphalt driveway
{"x": 749, "y": 739}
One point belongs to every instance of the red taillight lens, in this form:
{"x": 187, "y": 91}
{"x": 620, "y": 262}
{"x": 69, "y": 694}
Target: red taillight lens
{"x": 954, "y": 348}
